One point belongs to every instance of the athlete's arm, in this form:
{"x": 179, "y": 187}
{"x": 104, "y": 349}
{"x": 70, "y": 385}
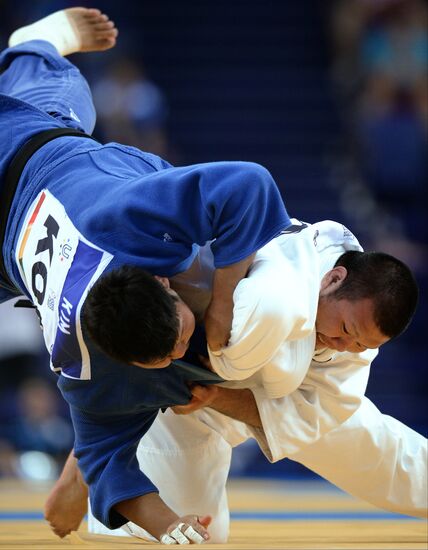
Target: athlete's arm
{"x": 218, "y": 317}
{"x": 150, "y": 512}
{"x": 237, "y": 404}
{"x": 236, "y": 206}
{"x": 67, "y": 505}
{"x": 119, "y": 491}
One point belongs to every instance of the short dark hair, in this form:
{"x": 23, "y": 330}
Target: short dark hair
{"x": 385, "y": 280}
{"x": 130, "y": 316}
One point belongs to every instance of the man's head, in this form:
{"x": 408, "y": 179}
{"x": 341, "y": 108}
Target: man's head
{"x": 137, "y": 318}
{"x": 365, "y": 300}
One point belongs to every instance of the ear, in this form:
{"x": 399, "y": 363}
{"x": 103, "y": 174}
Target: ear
{"x": 164, "y": 281}
{"x": 332, "y": 280}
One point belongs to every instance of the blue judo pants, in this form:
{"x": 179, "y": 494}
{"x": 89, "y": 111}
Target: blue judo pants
{"x": 35, "y": 72}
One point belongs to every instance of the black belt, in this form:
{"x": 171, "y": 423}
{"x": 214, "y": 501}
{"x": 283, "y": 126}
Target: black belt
{"x": 11, "y": 181}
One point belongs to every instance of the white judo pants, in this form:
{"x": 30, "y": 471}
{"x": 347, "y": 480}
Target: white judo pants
{"x": 371, "y": 456}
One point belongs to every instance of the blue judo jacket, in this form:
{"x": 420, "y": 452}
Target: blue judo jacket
{"x": 137, "y": 209}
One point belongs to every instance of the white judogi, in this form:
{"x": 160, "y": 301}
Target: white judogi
{"x": 311, "y": 403}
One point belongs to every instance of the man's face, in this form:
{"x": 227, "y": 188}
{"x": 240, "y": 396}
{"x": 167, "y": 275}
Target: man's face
{"x": 186, "y": 328}
{"x": 343, "y": 325}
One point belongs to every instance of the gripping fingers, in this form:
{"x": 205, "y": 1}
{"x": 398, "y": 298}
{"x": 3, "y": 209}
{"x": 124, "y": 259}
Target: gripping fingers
{"x": 178, "y": 536}
{"x": 166, "y": 539}
{"x": 193, "y": 535}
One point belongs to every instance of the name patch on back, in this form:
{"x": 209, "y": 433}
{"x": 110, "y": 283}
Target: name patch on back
{"x": 58, "y": 266}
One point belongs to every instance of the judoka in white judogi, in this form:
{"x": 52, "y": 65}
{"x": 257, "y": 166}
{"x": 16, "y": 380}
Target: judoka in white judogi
{"x": 311, "y": 403}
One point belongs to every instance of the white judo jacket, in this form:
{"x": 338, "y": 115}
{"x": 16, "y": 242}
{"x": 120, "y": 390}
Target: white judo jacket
{"x": 312, "y": 403}
{"x": 301, "y": 393}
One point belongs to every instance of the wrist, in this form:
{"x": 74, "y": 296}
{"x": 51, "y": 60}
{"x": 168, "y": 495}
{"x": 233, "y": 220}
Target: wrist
{"x": 149, "y": 512}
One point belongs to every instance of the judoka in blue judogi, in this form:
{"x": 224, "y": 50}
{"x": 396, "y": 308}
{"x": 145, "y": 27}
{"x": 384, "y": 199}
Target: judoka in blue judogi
{"x": 81, "y": 209}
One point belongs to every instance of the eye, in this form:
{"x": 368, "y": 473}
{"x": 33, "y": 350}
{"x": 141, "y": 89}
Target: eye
{"x": 344, "y": 329}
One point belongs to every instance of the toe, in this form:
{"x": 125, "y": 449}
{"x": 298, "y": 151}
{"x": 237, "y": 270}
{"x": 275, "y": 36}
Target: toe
{"x": 106, "y": 35}
{"x": 104, "y": 26}
{"x": 106, "y": 43}
{"x": 92, "y": 12}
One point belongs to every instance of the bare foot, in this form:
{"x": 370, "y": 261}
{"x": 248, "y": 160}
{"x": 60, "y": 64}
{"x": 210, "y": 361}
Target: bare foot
{"x": 71, "y": 30}
{"x": 95, "y": 30}
{"x": 67, "y": 502}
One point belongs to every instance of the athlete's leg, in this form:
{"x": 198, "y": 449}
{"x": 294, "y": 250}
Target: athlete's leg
{"x": 70, "y": 31}
{"x": 376, "y": 458}
{"x": 34, "y": 70}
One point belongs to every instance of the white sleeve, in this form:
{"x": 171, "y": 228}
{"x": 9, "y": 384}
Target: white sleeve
{"x": 374, "y": 457}
{"x": 259, "y": 328}
{"x": 274, "y": 305}
{"x": 329, "y": 395}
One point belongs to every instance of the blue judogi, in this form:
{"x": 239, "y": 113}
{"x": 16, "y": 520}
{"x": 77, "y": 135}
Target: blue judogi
{"x": 121, "y": 206}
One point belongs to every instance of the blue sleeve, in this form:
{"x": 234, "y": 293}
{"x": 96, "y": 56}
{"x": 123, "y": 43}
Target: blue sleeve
{"x": 236, "y": 203}
{"x": 106, "y": 451}
{"x": 161, "y": 215}
{"x": 243, "y": 210}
